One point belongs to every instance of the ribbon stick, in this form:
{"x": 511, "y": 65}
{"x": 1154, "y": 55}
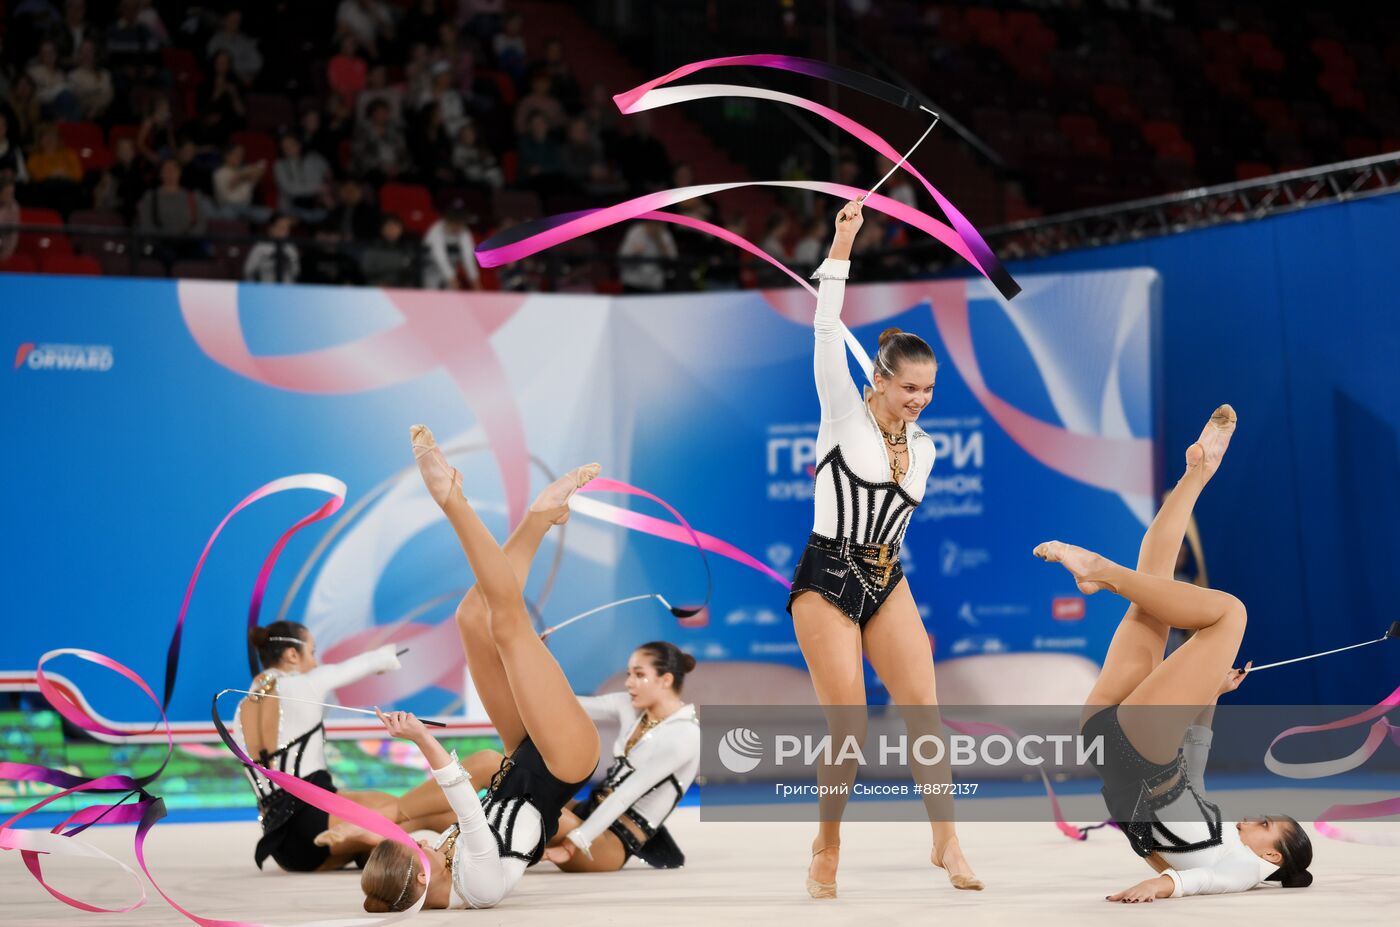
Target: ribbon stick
{"x": 654, "y": 93}
{"x": 307, "y": 701}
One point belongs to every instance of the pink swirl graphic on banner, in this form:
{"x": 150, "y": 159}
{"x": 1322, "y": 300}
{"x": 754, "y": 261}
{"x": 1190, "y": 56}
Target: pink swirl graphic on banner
{"x": 439, "y": 331}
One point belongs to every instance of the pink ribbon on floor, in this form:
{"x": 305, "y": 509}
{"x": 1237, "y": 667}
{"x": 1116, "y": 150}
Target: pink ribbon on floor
{"x": 1381, "y": 731}
{"x": 150, "y": 809}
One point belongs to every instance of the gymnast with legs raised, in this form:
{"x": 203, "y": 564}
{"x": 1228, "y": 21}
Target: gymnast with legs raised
{"x": 1154, "y": 714}
{"x": 550, "y": 742}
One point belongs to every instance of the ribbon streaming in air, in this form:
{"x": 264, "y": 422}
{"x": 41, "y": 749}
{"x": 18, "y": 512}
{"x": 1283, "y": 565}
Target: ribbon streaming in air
{"x": 1381, "y": 731}
{"x": 654, "y": 94}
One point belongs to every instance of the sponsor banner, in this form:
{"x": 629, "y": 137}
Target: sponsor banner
{"x": 706, "y": 400}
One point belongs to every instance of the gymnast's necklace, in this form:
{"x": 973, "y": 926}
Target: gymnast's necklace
{"x": 896, "y": 440}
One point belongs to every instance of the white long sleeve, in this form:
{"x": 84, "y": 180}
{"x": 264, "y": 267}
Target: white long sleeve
{"x": 672, "y": 748}
{"x": 480, "y": 875}
{"x": 837, "y": 392}
{"x": 1236, "y": 871}
{"x": 328, "y": 677}
{"x": 614, "y": 706}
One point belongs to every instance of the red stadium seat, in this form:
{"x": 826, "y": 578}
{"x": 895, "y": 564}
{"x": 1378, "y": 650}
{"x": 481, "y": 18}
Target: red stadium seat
{"x": 1252, "y": 170}
{"x": 39, "y": 243}
{"x": 257, "y": 146}
{"x": 19, "y": 264}
{"x": 86, "y": 139}
{"x": 75, "y": 265}
{"x": 410, "y": 202}
{"x": 510, "y": 165}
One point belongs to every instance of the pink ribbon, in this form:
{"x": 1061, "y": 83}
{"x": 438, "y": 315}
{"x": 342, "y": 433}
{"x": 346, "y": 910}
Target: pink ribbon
{"x": 1381, "y": 731}
{"x": 655, "y": 93}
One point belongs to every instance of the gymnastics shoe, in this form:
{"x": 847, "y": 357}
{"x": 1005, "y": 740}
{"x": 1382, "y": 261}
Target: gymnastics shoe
{"x": 1078, "y": 561}
{"x": 553, "y": 500}
{"x": 966, "y": 883}
{"x": 821, "y": 890}
{"x": 440, "y": 478}
{"x": 1209, "y": 448}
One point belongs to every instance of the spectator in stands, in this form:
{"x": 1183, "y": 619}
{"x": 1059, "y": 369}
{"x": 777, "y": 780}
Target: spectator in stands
{"x": 56, "y": 171}
{"x": 196, "y": 166}
{"x": 561, "y": 77}
{"x": 643, "y": 248}
{"x": 156, "y": 137}
{"x": 539, "y": 100}
{"x": 389, "y": 260}
{"x": 697, "y": 207}
{"x": 419, "y": 24}
{"x": 481, "y": 18}
{"x": 9, "y": 215}
{"x": 541, "y": 158}
{"x": 775, "y": 236}
{"x": 509, "y": 47}
{"x": 316, "y": 137}
{"x": 247, "y": 60}
{"x": 430, "y": 146}
{"x": 380, "y": 152}
{"x": 326, "y": 262}
{"x": 369, "y": 21}
{"x": 900, "y": 187}
{"x": 221, "y": 108}
{"x": 132, "y": 48}
{"x": 303, "y": 179}
{"x": 129, "y": 176}
{"x": 355, "y": 217}
{"x": 347, "y": 73}
{"x": 475, "y": 164}
{"x": 418, "y": 73}
{"x": 379, "y": 88}
{"x": 442, "y": 94}
{"x": 276, "y": 261}
{"x": 641, "y": 157}
{"x": 148, "y": 16}
{"x": 583, "y": 158}
{"x": 12, "y": 162}
{"x": 235, "y": 182}
{"x": 170, "y": 209}
{"x": 458, "y": 55}
{"x": 90, "y": 83}
{"x": 51, "y": 89}
{"x": 24, "y": 105}
{"x": 451, "y": 263}
{"x": 808, "y": 251}
{"x": 74, "y": 32}
{"x": 601, "y": 114}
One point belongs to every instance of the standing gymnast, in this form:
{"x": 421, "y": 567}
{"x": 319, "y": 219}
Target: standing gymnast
{"x": 551, "y": 744}
{"x": 289, "y": 735}
{"x": 849, "y": 595}
{"x": 1154, "y": 756}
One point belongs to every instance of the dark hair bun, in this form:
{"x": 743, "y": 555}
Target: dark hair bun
{"x": 666, "y": 657}
{"x": 1300, "y": 879}
{"x": 258, "y": 636}
{"x": 889, "y": 333}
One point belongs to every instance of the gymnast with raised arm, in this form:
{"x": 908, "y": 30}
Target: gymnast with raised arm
{"x": 1154, "y": 757}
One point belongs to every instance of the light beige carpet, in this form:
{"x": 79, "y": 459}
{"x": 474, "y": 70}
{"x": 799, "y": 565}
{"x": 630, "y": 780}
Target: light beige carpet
{"x": 736, "y": 874}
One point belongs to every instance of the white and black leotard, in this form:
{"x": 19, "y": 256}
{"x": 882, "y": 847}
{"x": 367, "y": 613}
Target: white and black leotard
{"x": 289, "y": 824}
{"x": 860, "y": 513}
{"x": 643, "y": 785}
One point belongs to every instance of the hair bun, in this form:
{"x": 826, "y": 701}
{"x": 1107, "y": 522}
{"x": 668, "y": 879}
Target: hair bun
{"x": 258, "y": 635}
{"x": 1300, "y": 879}
{"x": 687, "y": 662}
{"x": 889, "y": 333}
